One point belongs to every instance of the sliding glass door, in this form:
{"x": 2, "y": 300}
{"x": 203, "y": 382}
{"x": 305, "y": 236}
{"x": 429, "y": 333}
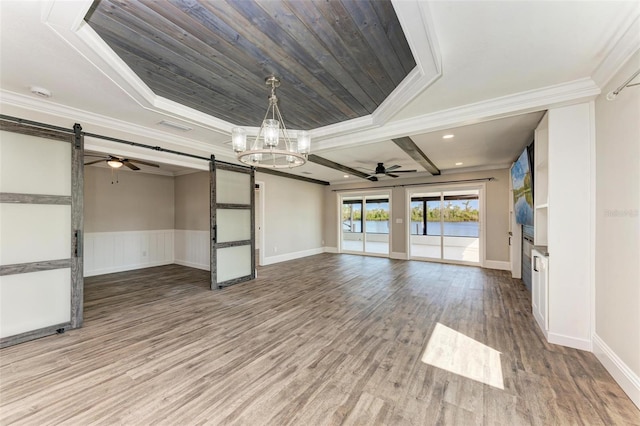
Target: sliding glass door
{"x": 445, "y": 225}
{"x": 365, "y": 224}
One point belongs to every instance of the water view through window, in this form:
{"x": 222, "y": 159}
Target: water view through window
{"x": 367, "y": 233}
{"x": 446, "y": 225}
{"x": 460, "y": 218}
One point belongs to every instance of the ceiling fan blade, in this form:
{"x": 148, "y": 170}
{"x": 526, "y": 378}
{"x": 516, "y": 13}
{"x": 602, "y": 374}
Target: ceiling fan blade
{"x": 94, "y": 155}
{"x": 392, "y": 168}
{"x": 95, "y": 162}
{"x": 144, "y": 163}
{"x": 392, "y": 175}
{"x": 129, "y": 165}
{"x": 404, "y": 171}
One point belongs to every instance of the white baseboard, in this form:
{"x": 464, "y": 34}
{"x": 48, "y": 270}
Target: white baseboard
{"x": 399, "y": 255}
{"x": 291, "y": 256}
{"x": 572, "y": 342}
{"x": 497, "y": 264}
{"x": 193, "y": 265}
{"x": 626, "y": 378}
{"x": 124, "y": 268}
{"x": 330, "y": 249}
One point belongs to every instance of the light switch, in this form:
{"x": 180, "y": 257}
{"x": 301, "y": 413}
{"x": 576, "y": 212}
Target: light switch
{"x": 399, "y": 220}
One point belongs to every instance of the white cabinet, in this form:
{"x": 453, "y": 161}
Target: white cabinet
{"x": 540, "y": 289}
{"x": 563, "y": 203}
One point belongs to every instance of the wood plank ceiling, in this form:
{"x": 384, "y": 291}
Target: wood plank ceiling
{"x": 337, "y": 59}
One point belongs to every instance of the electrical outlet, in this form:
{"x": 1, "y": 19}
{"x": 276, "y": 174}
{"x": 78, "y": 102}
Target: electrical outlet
{"x": 144, "y": 253}
{"x": 322, "y": 242}
{"x": 275, "y": 249}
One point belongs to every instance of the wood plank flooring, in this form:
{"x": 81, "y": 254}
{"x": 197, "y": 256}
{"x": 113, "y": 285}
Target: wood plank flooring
{"x": 328, "y": 339}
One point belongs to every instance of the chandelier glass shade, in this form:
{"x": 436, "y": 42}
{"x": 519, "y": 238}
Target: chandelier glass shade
{"x": 272, "y": 147}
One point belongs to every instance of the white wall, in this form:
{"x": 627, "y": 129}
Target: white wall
{"x": 129, "y": 224}
{"x": 293, "y": 220}
{"x": 139, "y": 201}
{"x": 192, "y": 220}
{"x": 617, "y": 266}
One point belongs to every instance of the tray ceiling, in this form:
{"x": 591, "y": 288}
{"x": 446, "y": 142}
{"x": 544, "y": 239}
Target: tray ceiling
{"x": 338, "y": 59}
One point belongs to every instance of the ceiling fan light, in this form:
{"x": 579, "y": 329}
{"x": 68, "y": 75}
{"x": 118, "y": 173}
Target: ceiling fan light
{"x": 116, "y": 164}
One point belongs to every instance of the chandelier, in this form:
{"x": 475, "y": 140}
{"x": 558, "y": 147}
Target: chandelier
{"x": 272, "y": 147}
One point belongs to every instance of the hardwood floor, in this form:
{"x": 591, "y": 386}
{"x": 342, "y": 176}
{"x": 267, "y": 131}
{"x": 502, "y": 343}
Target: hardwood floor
{"x": 327, "y": 339}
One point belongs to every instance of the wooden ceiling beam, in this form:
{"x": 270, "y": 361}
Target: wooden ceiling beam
{"x": 337, "y": 166}
{"x": 409, "y": 146}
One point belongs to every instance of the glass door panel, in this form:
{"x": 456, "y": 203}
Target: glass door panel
{"x": 233, "y": 263}
{"x": 425, "y": 228}
{"x": 352, "y": 237}
{"x": 376, "y": 226}
{"x": 233, "y": 187}
{"x": 461, "y": 226}
{"x": 233, "y": 225}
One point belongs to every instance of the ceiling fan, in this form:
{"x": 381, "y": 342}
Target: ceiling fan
{"x": 381, "y": 170}
{"x": 117, "y": 162}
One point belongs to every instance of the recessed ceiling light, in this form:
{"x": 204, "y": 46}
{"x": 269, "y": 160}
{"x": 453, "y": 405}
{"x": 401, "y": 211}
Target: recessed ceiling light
{"x": 449, "y": 136}
{"x": 40, "y": 91}
{"x": 458, "y": 164}
{"x": 345, "y": 176}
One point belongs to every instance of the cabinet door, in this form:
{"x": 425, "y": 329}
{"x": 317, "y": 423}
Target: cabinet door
{"x": 543, "y": 300}
{"x": 539, "y": 290}
{"x": 535, "y": 284}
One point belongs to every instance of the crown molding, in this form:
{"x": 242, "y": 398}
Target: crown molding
{"x": 572, "y": 92}
{"x": 474, "y": 169}
{"x": 344, "y": 127}
{"x": 623, "y": 45}
{"x": 66, "y": 20}
{"x": 89, "y": 118}
{"x": 415, "y": 20}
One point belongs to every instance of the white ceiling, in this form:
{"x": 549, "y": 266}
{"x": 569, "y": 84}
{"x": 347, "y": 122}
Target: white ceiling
{"x": 500, "y": 62}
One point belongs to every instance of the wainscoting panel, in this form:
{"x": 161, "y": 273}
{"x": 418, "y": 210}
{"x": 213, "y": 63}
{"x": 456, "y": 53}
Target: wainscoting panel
{"x": 192, "y": 248}
{"x": 107, "y": 252}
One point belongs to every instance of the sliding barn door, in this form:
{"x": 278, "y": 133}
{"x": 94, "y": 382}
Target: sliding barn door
{"x": 232, "y": 224}
{"x": 41, "y": 179}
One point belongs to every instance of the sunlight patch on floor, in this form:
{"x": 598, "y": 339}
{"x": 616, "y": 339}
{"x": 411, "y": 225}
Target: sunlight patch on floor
{"x": 453, "y": 351}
